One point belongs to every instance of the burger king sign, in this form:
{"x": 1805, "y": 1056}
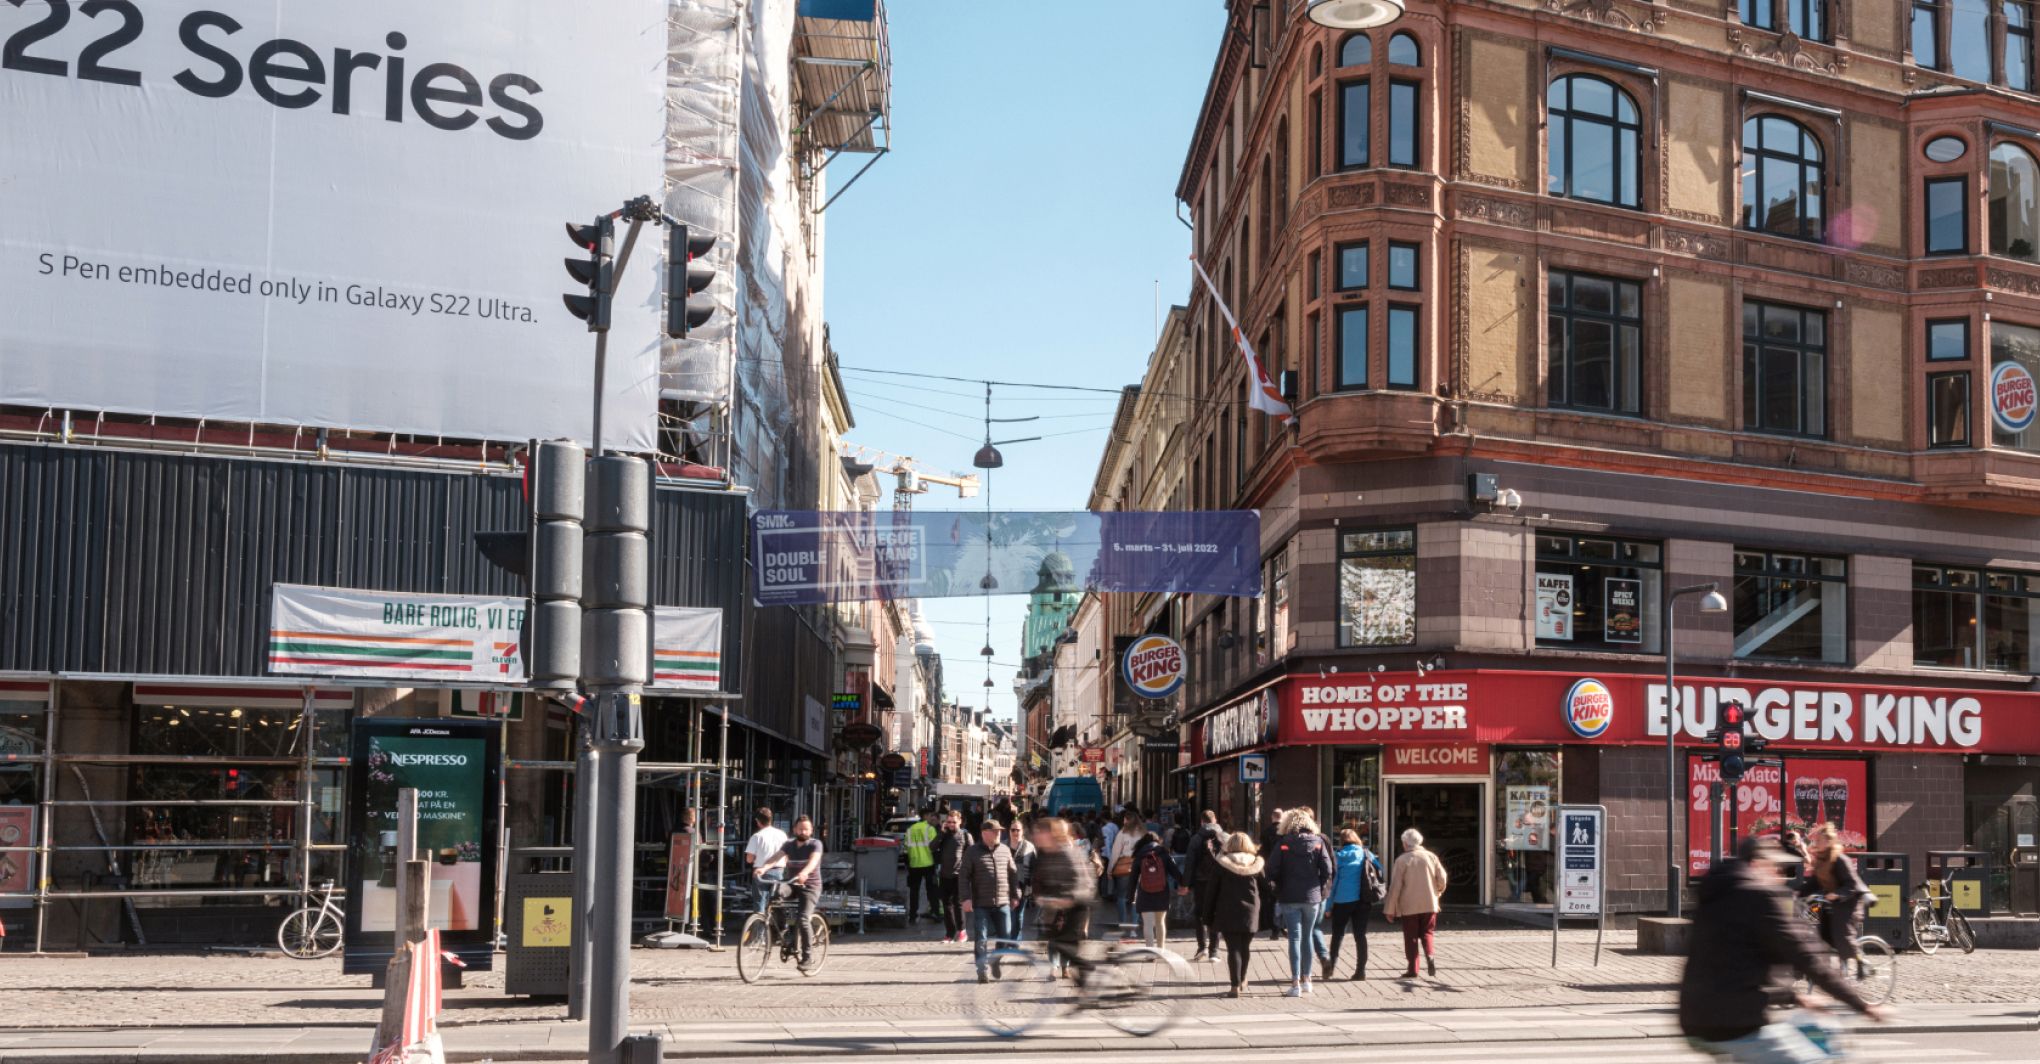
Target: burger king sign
{"x": 2012, "y": 398}
{"x": 1153, "y": 666}
{"x": 1589, "y": 708}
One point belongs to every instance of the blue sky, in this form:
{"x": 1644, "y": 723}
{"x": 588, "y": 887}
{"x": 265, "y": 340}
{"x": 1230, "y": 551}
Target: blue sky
{"x": 1016, "y": 232}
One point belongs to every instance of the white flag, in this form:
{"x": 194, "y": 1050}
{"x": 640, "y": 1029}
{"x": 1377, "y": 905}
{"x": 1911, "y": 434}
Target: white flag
{"x": 1263, "y": 396}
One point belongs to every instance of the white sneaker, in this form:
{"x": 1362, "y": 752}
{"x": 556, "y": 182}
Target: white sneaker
{"x": 1308, "y": 990}
{"x": 1293, "y": 991}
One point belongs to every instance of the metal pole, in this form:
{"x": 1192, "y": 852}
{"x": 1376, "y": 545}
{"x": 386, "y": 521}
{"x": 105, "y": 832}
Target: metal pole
{"x": 309, "y": 736}
{"x": 44, "y": 835}
{"x": 722, "y": 828}
{"x": 587, "y": 785}
{"x": 1671, "y": 762}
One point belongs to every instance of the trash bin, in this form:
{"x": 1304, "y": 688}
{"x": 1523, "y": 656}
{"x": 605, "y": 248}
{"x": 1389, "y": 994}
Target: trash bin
{"x": 1889, "y": 877}
{"x": 539, "y": 910}
{"x": 878, "y": 863}
{"x": 1972, "y": 874}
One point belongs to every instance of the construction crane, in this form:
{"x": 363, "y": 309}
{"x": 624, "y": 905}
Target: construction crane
{"x": 909, "y": 478}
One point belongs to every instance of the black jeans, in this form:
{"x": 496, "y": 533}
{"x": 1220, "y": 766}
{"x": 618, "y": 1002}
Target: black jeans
{"x": 810, "y": 899}
{"x": 918, "y": 880}
{"x": 952, "y": 907}
{"x": 1344, "y": 913}
{"x": 1239, "y": 949}
{"x": 1204, "y": 901}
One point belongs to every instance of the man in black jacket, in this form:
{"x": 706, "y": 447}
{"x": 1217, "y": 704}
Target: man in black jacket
{"x": 1206, "y": 846}
{"x": 1745, "y": 938}
{"x": 950, "y": 847}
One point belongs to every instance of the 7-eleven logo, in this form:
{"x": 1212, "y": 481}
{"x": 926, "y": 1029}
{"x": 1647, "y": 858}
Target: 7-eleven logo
{"x": 505, "y": 655}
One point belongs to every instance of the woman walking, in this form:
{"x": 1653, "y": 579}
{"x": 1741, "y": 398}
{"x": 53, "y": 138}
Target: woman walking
{"x": 1301, "y": 869}
{"x": 1414, "y": 887}
{"x": 1155, "y": 882}
{"x": 1120, "y": 864}
{"x": 1236, "y": 904}
{"x": 1354, "y": 892}
{"x": 1024, "y": 854}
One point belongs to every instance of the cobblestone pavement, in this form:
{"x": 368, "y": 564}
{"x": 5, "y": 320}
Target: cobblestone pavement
{"x": 895, "y": 976}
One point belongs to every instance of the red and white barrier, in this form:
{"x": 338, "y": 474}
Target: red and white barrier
{"x": 418, "y": 1041}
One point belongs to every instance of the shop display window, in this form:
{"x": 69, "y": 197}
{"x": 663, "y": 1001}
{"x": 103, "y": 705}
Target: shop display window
{"x": 236, "y": 754}
{"x": 1355, "y": 779}
{"x": 1526, "y": 805}
{"x": 2009, "y": 395}
{"x": 1598, "y": 594}
{"x": 1791, "y": 607}
{"x": 1974, "y": 619}
{"x": 1378, "y": 588}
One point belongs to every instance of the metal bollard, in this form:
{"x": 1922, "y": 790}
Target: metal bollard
{"x": 644, "y": 1049}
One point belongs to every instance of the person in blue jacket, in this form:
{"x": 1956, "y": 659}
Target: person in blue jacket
{"x": 1353, "y": 898}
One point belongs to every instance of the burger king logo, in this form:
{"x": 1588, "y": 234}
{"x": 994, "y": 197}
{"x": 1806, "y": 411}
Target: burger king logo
{"x": 1153, "y": 666}
{"x": 2012, "y": 397}
{"x": 1589, "y": 708}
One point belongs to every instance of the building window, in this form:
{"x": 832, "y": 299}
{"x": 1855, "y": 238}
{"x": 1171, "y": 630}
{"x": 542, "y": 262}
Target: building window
{"x": 1954, "y": 36}
{"x": 1791, "y": 607}
{"x": 1595, "y": 139}
{"x": 1357, "y": 51}
{"x": 1807, "y": 19}
{"x": 1353, "y": 125}
{"x": 1402, "y": 123}
{"x": 1317, "y": 132}
{"x": 1352, "y": 348}
{"x": 1352, "y": 266}
{"x": 1948, "y": 340}
{"x": 1759, "y": 14}
{"x": 1598, "y": 594}
{"x": 1948, "y": 409}
{"x": 2014, "y": 203}
{"x": 1784, "y": 370}
{"x": 1973, "y": 619}
{"x": 1782, "y": 182}
{"x": 1595, "y": 336}
{"x": 1317, "y": 274}
{"x": 1526, "y": 806}
{"x": 1402, "y": 267}
{"x": 1377, "y": 588}
{"x": 2014, "y": 366}
{"x": 2019, "y": 45}
{"x": 1926, "y": 35}
{"x": 1403, "y": 51}
{"x": 1276, "y": 626}
{"x": 1402, "y": 346}
{"x": 1947, "y": 216}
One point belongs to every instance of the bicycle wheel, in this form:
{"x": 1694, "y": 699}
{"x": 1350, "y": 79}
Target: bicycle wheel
{"x": 818, "y": 950}
{"x": 1140, "y": 991}
{"x": 304, "y": 935}
{"x": 754, "y": 948}
{"x": 1926, "y": 934}
{"x": 1875, "y": 971}
{"x": 1960, "y": 933}
{"x": 1017, "y": 993}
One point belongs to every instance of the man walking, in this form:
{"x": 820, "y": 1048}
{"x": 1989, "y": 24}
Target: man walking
{"x": 986, "y": 890}
{"x": 765, "y": 841}
{"x": 1206, "y": 847}
{"x": 950, "y": 849}
{"x": 921, "y": 866}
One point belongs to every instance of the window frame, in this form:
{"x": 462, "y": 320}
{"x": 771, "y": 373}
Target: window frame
{"x": 1928, "y": 187}
{"x": 1416, "y": 121}
{"x": 1339, "y": 265}
{"x": 1650, "y": 603}
{"x": 1339, "y": 381}
{"x": 1753, "y": 396}
{"x": 1565, "y": 122}
{"x": 1771, "y": 570}
{"x": 1979, "y": 593}
{"x": 1365, "y": 159}
{"x": 1416, "y": 250}
{"x": 1344, "y": 553}
{"x": 1997, "y": 228}
{"x": 1935, "y": 323}
{"x": 1414, "y": 314}
{"x": 1757, "y": 160}
{"x": 1968, "y": 436}
{"x": 1616, "y": 322}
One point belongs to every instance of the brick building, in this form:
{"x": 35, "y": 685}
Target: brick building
{"x": 1582, "y": 302}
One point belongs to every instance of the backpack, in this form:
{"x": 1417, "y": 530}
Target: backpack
{"x": 1154, "y": 878}
{"x": 1372, "y": 889}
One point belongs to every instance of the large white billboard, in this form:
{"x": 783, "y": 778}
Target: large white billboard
{"x": 335, "y": 214}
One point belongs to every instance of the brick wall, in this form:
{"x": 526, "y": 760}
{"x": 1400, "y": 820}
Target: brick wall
{"x": 1494, "y": 586}
{"x": 1919, "y": 805}
{"x": 1880, "y": 605}
{"x": 1632, "y": 783}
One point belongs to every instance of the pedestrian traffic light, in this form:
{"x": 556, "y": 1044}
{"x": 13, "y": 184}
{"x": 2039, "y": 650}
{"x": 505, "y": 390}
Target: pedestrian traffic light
{"x": 1734, "y": 718}
{"x": 596, "y": 270}
{"x": 685, "y": 279}
{"x": 547, "y": 554}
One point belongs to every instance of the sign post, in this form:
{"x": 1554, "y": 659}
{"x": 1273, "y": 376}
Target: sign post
{"x": 1582, "y": 866}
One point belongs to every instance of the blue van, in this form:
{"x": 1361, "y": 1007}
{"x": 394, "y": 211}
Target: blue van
{"x": 1073, "y": 794}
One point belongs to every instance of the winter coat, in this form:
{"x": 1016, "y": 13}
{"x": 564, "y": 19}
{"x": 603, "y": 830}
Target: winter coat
{"x": 987, "y": 879}
{"x": 1301, "y": 869}
{"x": 1154, "y": 901}
{"x": 1237, "y": 882}
{"x": 1023, "y": 867}
{"x": 950, "y": 847}
{"x": 1352, "y": 858}
{"x": 1745, "y": 943}
{"x": 1205, "y": 849}
{"x": 1064, "y": 873}
{"x": 1414, "y": 885}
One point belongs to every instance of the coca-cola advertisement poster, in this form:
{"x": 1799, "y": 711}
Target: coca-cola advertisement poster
{"x": 1766, "y": 802}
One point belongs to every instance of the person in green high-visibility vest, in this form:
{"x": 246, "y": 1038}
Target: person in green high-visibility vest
{"x": 921, "y": 867}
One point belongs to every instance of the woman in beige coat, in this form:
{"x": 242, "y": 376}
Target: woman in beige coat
{"x": 1414, "y": 887}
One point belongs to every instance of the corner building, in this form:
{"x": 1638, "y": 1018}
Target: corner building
{"x": 1581, "y": 302}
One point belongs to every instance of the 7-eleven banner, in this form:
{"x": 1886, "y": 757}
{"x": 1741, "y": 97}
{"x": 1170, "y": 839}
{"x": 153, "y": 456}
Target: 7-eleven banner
{"x": 686, "y": 648}
{"x": 326, "y": 631}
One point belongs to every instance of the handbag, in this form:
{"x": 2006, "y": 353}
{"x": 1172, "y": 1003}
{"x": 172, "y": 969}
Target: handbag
{"x": 1371, "y": 886}
{"x": 1123, "y": 866}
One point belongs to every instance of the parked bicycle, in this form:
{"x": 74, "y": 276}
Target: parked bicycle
{"x": 1138, "y": 990}
{"x": 313, "y": 931}
{"x": 777, "y": 930}
{"x": 1936, "y": 920}
{"x": 1875, "y": 969}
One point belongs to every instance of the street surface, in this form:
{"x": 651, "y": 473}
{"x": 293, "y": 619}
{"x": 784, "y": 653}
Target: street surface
{"x": 893, "y": 993}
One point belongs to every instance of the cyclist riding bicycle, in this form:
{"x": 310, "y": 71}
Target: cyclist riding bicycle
{"x": 1064, "y": 892}
{"x": 1746, "y": 942}
{"x": 802, "y": 854}
{"x": 1832, "y": 876}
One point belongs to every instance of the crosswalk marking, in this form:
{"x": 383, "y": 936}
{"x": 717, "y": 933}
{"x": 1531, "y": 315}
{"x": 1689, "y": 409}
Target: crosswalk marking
{"x": 1630, "y": 1051}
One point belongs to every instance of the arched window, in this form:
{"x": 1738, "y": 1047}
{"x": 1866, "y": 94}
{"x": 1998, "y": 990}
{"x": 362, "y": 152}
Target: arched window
{"x": 1317, "y": 59}
{"x": 1357, "y": 51}
{"x": 1782, "y": 178}
{"x": 1282, "y": 149}
{"x": 1403, "y": 51}
{"x": 2014, "y": 203}
{"x": 1595, "y": 151}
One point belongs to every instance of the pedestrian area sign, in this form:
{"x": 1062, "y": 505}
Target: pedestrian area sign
{"x": 1582, "y": 869}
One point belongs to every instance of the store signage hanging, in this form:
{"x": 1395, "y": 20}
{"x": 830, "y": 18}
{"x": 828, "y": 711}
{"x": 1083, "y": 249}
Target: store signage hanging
{"x": 893, "y": 761}
{"x": 1383, "y": 709}
{"x": 1847, "y": 716}
{"x": 1589, "y": 709}
{"x": 2013, "y": 400}
{"x": 1092, "y": 755}
{"x": 1153, "y": 666}
{"x": 1245, "y": 724}
{"x": 1622, "y": 610}
{"x": 1554, "y": 606}
{"x": 847, "y": 705}
{"x": 687, "y": 648}
{"x": 860, "y": 734}
{"x": 1435, "y": 759}
{"x": 330, "y": 631}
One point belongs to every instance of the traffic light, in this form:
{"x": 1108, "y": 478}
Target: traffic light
{"x": 685, "y": 280}
{"x": 597, "y": 271}
{"x": 548, "y": 556}
{"x": 1734, "y": 719}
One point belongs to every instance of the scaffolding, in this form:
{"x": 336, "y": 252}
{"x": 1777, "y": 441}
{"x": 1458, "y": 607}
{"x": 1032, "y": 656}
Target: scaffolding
{"x": 842, "y": 84}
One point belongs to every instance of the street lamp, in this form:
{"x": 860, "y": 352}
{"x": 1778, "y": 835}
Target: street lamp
{"x": 1354, "y": 14}
{"x": 1712, "y": 603}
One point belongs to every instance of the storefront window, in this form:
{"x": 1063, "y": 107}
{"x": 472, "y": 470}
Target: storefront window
{"x": 1790, "y": 607}
{"x": 235, "y": 755}
{"x": 1378, "y": 588}
{"x": 1356, "y": 789}
{"x": 1598, "y": 594}
{"x": 1276, "y": 626}
{"x": 23, "y": 726}
{"x": 1526, "y": 803}
{"x": 2015, "y": 364}
{"x": 1971, "y": 619}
